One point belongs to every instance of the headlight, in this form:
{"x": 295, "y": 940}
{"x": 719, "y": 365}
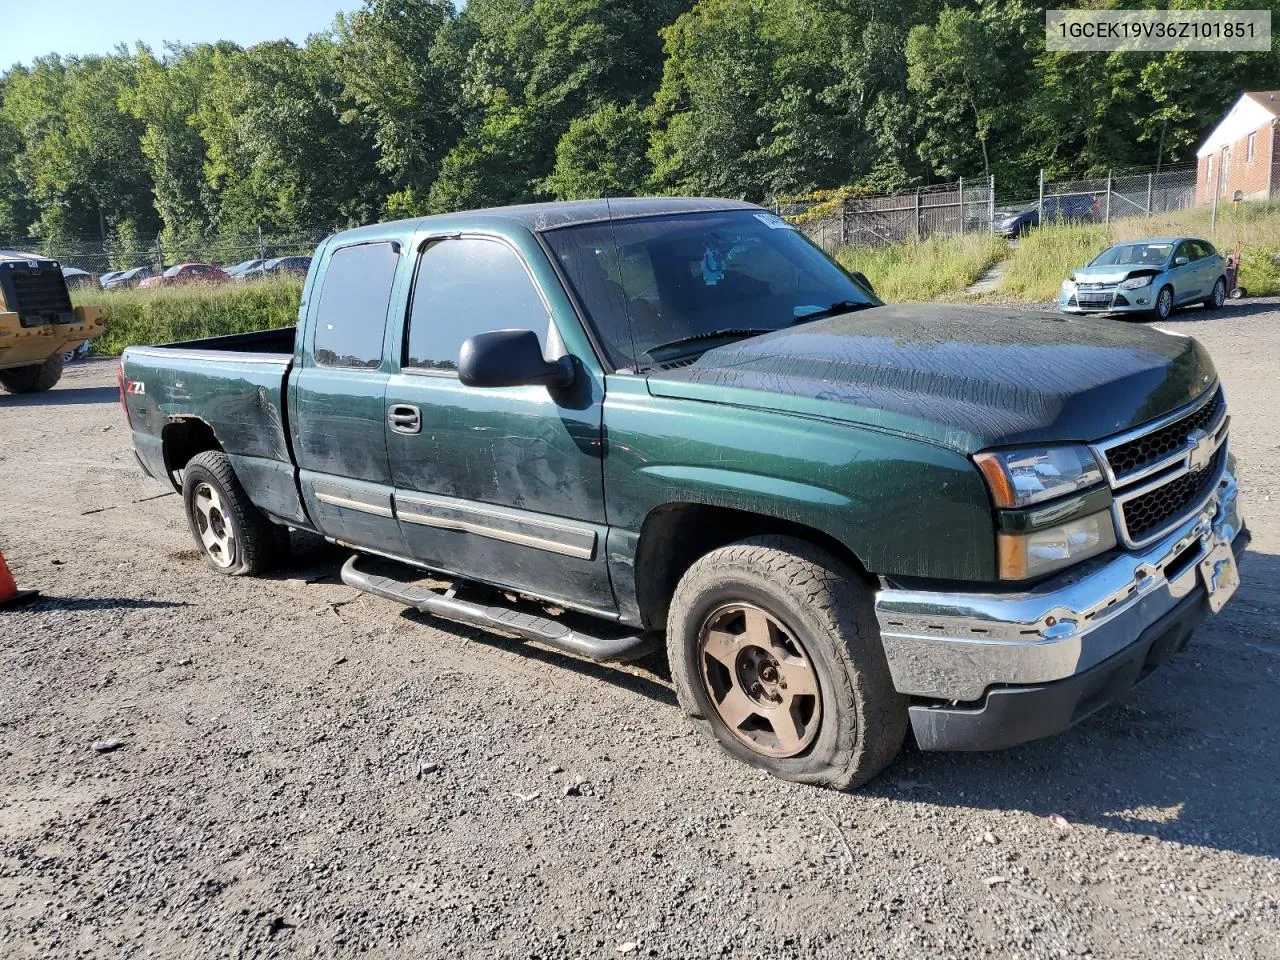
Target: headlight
{"x": 1133, "y": 283}
{"x": 1023, "y": 555}
{"x": 1068, "y": 286}
{"x": 1019, "y": 478}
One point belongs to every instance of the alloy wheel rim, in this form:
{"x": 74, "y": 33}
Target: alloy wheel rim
{"x": 216, "y": 532}
{"x": 761, "y": 682}
{"x": 1219, "y": 293}
{"x": 1165, "y": 303}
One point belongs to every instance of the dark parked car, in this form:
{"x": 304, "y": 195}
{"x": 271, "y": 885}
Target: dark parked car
{"x": 278, "y": 267}
{"x": 1072, "y": 208}
{"x": 186, "y": 273}
{"x": 243, "y": 266}
{"x": 680, "y": 417}
{"x": 128, "y": 279}
{"x": 78, "y": 279}
{"x": 287, "y": 266}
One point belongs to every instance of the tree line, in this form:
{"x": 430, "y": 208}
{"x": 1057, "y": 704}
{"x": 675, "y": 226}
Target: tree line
{"x": 412, "y": 106}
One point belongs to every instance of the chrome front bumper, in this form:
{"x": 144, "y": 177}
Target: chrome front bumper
{"x": 954, "y": 646}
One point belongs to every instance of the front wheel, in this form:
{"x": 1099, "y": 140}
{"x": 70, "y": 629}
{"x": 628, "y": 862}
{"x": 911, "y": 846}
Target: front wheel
{"x": 1164, "y": 304}
{"x": 1219, "y": 295}
{"x": 234, "y": 537}
{"x": 774, "y": 651}
{"x": 33, "y": 379}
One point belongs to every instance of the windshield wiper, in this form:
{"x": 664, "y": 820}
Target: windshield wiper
{"x": 711, "y": 335}
{"x": 840, "y": 306}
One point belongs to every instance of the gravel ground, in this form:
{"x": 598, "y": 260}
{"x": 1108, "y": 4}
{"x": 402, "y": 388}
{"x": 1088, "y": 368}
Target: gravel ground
{"x": 307, "y": 770}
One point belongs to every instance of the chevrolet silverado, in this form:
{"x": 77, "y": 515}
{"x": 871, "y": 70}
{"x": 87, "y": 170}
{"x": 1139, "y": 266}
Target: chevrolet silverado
{"x": 615, "y": 424}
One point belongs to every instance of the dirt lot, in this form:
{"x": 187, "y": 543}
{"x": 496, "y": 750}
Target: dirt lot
{"x": 306, "y": 770}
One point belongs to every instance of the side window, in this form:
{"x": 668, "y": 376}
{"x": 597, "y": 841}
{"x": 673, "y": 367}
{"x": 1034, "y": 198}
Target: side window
{"x": 464, "y": 287}
{"x": 1183, "y": 250}
{"x": 352, "y": 313}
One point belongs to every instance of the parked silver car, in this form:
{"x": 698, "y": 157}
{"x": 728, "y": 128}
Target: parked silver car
{"x": 1148, "y": 277}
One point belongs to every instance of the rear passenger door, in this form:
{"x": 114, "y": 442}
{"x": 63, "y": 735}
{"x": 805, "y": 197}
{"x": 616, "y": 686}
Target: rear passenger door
{"x": 1206, "y": 262}
{"x": 499, "y": 485}
{"x": 336, "y": 400}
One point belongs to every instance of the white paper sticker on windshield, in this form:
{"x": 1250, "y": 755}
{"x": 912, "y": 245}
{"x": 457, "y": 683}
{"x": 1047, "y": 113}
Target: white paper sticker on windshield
{"x": 773, "y": 222}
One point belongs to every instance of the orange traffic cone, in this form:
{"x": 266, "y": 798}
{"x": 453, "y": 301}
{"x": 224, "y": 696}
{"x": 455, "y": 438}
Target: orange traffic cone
{"x": 9, "y": 592}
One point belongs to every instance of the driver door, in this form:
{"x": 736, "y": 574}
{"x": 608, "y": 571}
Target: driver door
{"x": 501, "y": 485}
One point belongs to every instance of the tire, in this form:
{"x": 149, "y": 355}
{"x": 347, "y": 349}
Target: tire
{"x": 232, "y": 535}
{"x": 1164, "y": 304}
{"x": 33, "y": 379}
{"x": 820, "y": 609}
{"x": 1219, "y": 296}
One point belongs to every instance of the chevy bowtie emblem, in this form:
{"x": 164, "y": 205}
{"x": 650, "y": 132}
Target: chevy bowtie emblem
{"x": 1201, "y": 453}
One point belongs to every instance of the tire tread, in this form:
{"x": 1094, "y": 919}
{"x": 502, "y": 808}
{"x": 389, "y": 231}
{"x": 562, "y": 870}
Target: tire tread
{"x": 33, "y": 379}
{"x": 260, "y": 541}
{"x": 814, "y": 578}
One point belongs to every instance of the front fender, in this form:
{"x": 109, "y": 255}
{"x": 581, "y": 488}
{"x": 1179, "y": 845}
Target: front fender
{"x": 903, "y": 506}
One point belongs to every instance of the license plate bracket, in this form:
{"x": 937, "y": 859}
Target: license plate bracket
{"x": 1220, "y": 575}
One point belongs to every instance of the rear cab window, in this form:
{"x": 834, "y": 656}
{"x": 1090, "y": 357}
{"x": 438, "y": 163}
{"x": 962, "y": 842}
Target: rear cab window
{"x": 351, "y": 315}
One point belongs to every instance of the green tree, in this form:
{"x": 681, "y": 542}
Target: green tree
{"x": 533, "y": 67}
{"x": 763, "y": 97}
{"x": 167, "y": 101}
{"x": 962, "y": 71}
{"x": 383, "y": 58}
{"x": 17, "y": 212}
{"x": 602, "y": 155}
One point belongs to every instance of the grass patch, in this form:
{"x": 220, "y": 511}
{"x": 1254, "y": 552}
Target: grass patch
{"x": 1046, "y": 257}
{"x": 926, "y": 270}
{"x": 187, "y": 313}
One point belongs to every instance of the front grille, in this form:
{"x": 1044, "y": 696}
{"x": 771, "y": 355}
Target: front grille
{"x": 1095, "y": 296}
{"x": 37, "y": 294}
{"x": 1155, "y": 446}
{"x": 1165, "y": 504}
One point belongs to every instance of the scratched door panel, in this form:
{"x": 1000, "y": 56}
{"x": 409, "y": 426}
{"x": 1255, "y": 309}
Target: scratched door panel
{"x": 338, "y": 396}
{"x": 503, "y": 485}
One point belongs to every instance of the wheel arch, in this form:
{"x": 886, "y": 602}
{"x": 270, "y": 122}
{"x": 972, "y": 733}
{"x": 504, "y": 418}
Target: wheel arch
{"x": 183, "y": 438}
{"x": 674, "y": 535}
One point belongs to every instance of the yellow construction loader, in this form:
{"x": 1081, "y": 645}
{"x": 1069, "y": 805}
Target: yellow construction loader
{"x": 38, "y": 324}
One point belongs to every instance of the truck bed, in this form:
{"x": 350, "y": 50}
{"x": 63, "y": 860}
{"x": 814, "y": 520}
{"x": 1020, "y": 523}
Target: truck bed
{"x": 233, "y": 386}
{"x": 278, "y": 342}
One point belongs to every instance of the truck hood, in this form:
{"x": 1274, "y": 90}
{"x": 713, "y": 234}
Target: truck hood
{"x": 964, "y": 377}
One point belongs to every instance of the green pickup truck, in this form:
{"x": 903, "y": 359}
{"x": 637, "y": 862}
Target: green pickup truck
{"x": 681, "y": 419}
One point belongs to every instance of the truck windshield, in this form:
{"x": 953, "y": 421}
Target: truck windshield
{"x": 659, "y": 287}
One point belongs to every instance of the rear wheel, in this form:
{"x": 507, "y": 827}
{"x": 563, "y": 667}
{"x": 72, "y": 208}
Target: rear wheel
{"x": 774, "y": 651}
{"x": 1219, "y": 295}
{"x": 33, "y": 379}
{"x": 233, "y": 536}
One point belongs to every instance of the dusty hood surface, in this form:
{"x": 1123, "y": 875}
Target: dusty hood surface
{"x": 966, "y": 377}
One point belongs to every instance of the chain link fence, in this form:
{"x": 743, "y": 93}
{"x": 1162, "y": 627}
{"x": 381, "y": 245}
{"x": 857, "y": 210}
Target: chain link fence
{"x": 832, "y": 220}
{"x": 98, "y": 257}
{"x": 1117, "y": 196}
{"x": 965, "y": 206}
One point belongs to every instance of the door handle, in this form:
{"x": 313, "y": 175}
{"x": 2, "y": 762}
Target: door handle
{"x": 404, "y": 418}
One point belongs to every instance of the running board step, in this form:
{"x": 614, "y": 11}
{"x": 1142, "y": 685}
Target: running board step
{"x": 543, "y": 630}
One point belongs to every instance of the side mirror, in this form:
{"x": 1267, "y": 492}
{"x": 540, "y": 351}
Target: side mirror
{"x": 510, "y": 358}
{"x": 1180, "y": 261}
